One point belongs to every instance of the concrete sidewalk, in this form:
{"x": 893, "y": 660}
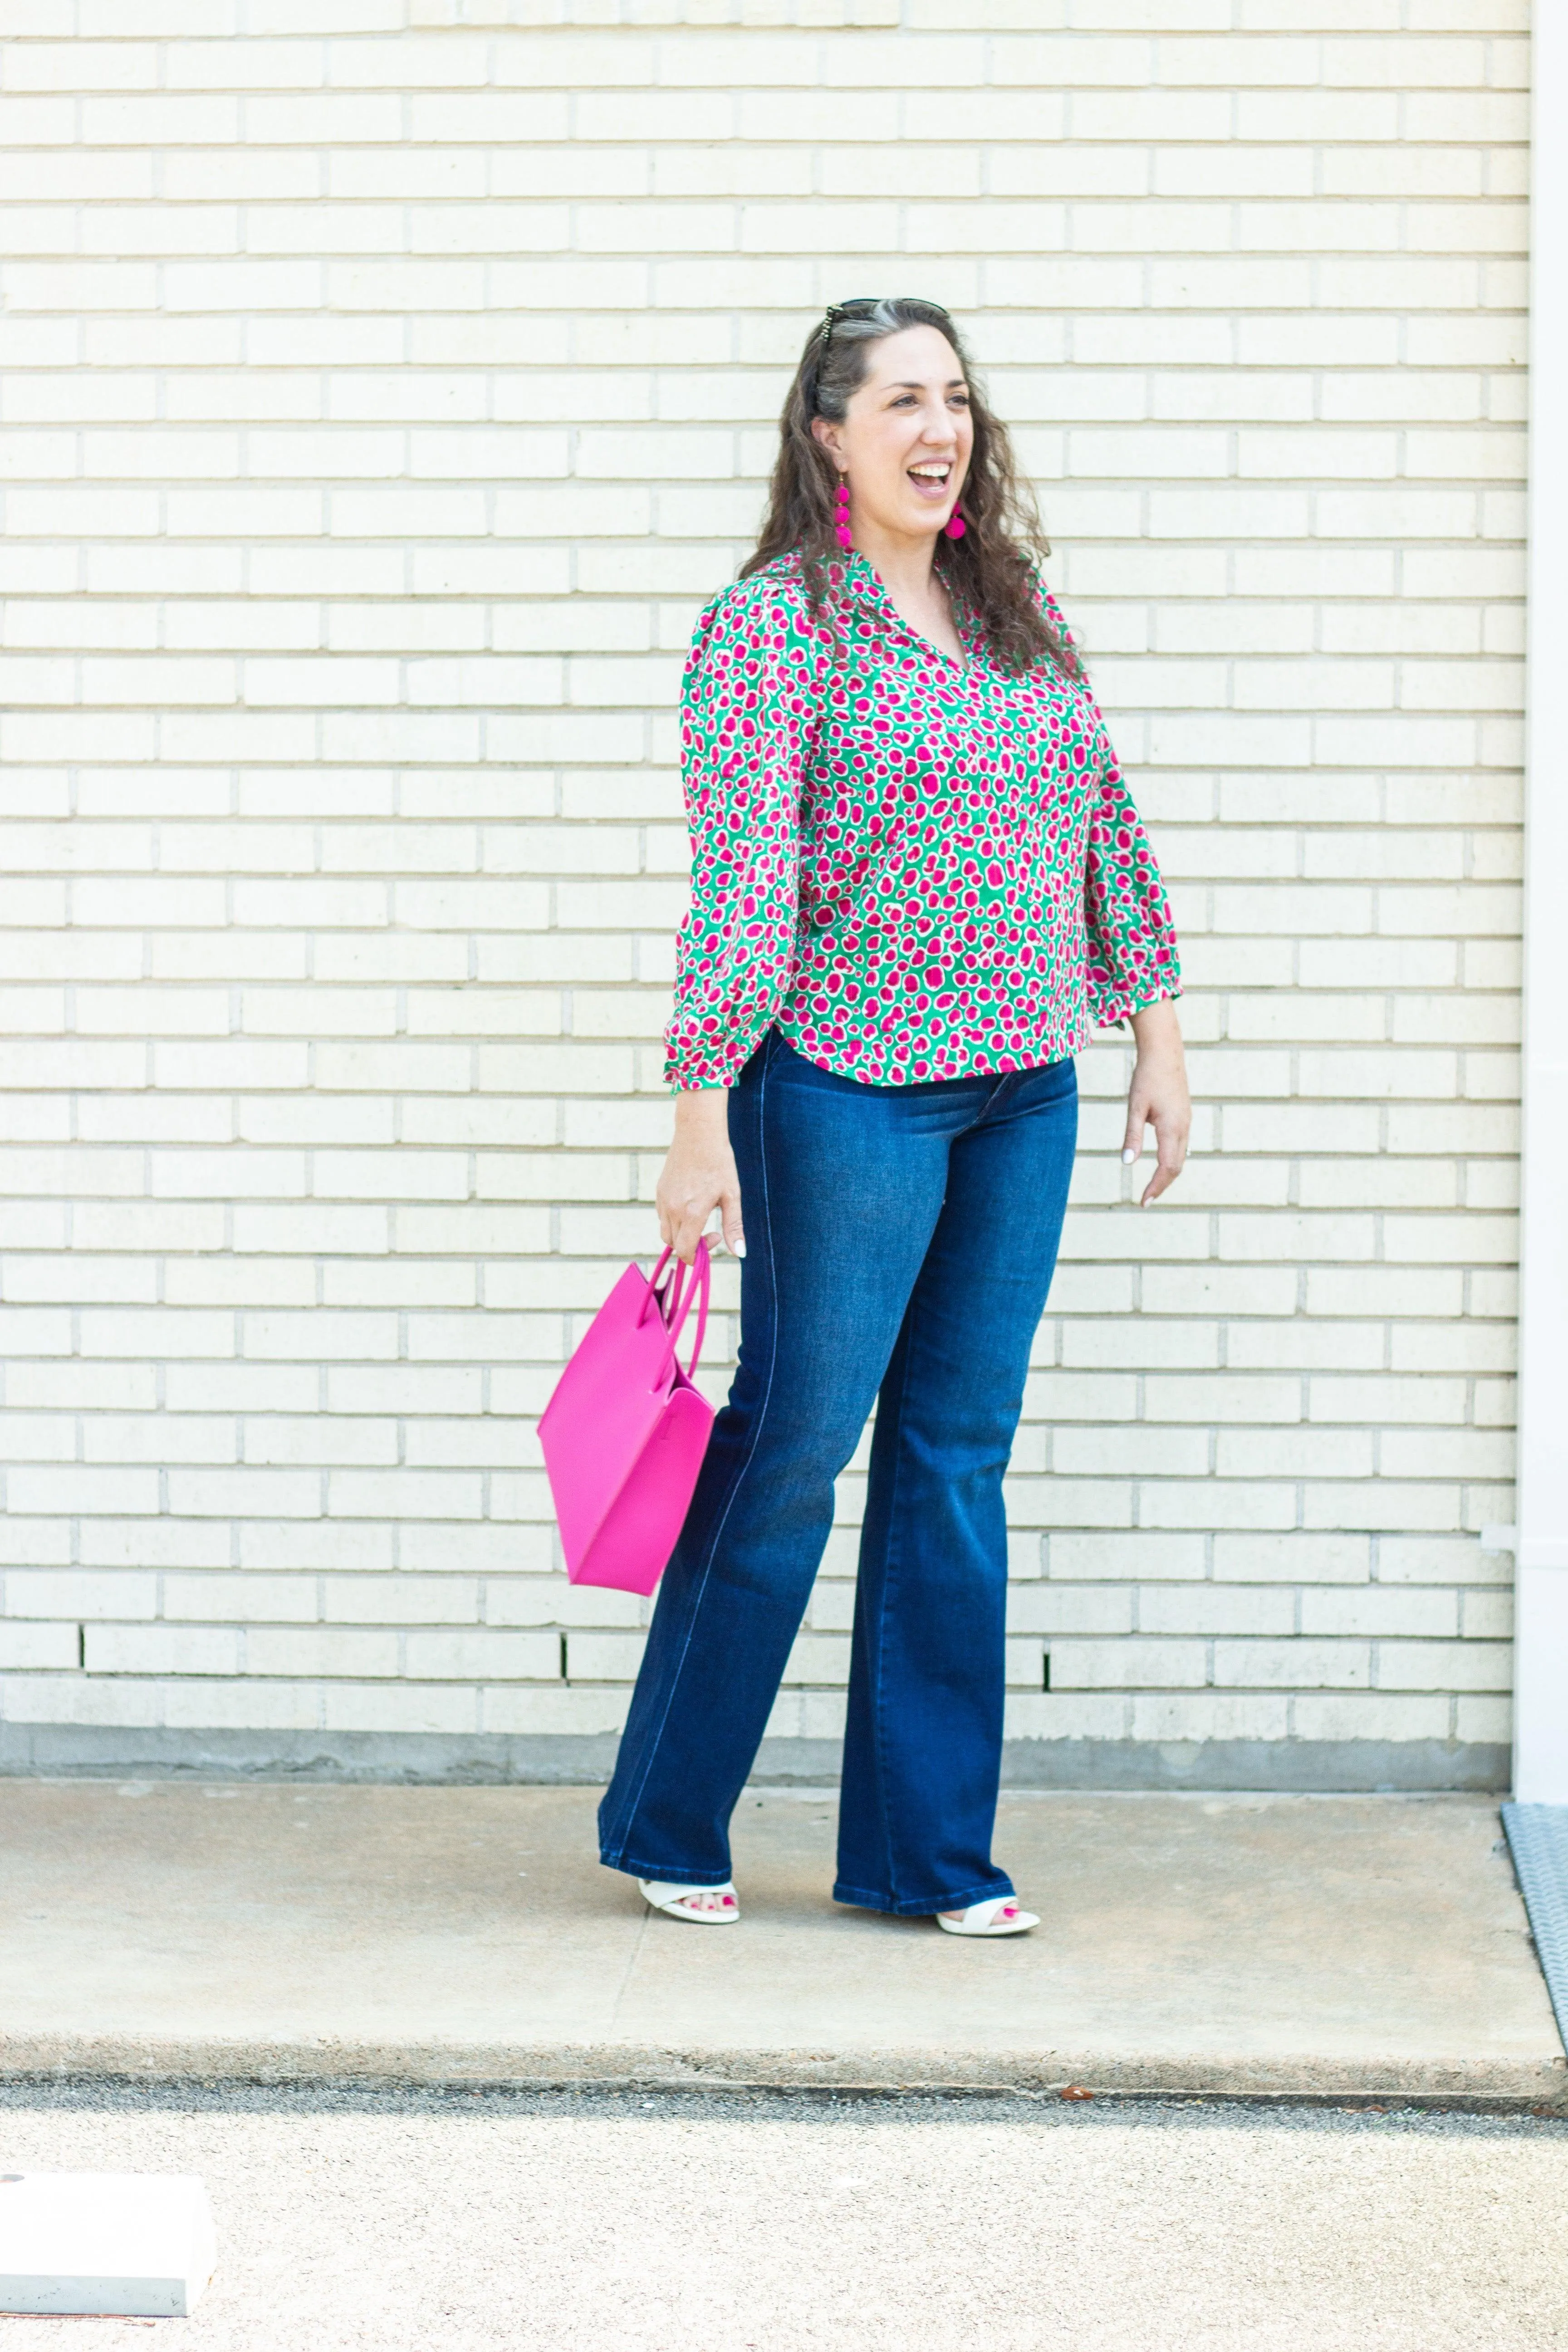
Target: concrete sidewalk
{"x": 1273, "y": 1944}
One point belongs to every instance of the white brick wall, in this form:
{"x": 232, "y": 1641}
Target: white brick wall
{"x": 386, "y": 384}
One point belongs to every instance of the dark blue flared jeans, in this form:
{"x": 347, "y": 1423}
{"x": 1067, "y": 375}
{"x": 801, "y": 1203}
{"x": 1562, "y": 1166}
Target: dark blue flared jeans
{"x": 900, "y": 1244}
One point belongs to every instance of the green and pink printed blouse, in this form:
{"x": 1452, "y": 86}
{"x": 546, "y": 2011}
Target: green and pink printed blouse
{"x": 917, "y": 869}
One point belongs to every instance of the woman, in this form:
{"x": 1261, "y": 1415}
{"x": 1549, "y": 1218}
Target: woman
{"x": 918, "y": 882}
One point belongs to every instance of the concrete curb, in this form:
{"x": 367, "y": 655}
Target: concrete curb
{"x": 111, "y": 2059}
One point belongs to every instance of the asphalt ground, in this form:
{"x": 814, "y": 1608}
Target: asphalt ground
{"x": 778, "y": 2221}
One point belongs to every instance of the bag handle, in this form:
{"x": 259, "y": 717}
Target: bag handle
{"x": 676, "y": 1304}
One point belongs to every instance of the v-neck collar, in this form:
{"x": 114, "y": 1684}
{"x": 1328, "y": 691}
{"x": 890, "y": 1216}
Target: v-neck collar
{"x": 861, "y": 576}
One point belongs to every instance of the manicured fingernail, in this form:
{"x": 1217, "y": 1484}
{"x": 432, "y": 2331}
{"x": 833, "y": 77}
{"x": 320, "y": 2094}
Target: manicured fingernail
{"x": 739, "y": 1246}
{"x": 1128, "y": 1158}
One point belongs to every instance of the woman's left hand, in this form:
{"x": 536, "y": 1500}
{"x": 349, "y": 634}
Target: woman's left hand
{"x": 1158, "y": 1096}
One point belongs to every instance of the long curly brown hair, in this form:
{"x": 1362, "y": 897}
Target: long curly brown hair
{"x": 991, "y": 568}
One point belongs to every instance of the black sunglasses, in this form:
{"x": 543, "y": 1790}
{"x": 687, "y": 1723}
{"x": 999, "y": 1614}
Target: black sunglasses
{"x": 858, "y": 302}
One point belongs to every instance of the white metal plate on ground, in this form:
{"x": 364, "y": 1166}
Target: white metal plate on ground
{"x": 1537, "y": 1838}
{"x": 136, "y": 2243}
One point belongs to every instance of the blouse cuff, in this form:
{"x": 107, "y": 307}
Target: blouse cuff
{"x": 1112, "y": 1010}
{"x": 693, "y": 1064}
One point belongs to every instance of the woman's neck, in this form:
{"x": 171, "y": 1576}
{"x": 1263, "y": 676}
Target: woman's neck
{"x": 902, "y": 564}
{"x": 912, "y": 585}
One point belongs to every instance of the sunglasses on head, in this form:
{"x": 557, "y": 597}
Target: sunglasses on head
{"x": 857, "y": 303}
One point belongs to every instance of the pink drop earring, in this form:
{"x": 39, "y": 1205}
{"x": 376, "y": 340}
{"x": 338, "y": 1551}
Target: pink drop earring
{"x": 955, "y": 527}
{"x": 842, "y": 532}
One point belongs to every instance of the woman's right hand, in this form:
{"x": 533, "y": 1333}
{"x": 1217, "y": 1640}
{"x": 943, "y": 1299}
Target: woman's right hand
{"x": 700, "y": 1175}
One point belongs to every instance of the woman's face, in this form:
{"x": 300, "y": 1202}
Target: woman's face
{"x": 905, "y": 442}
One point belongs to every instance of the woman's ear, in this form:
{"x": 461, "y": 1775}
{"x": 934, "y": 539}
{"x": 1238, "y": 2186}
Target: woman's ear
{"x": 829, "y": 435}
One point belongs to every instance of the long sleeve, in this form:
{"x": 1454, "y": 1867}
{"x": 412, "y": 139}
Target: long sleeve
{"x": 747, "y": 714}
{"x": 1132, "y": 938}
{"x": 1132, "y": 958}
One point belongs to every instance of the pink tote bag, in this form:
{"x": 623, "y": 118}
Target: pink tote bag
{"x": 625, "y": 1431}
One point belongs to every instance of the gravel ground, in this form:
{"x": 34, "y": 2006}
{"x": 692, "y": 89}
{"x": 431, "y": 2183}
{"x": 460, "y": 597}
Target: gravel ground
{"x": 769, "y": 2223}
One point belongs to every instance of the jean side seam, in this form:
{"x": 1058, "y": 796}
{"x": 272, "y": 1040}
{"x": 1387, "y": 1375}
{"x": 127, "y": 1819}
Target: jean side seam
{"x": 656, "y": 1739}
{"x": 911, "y": 1311}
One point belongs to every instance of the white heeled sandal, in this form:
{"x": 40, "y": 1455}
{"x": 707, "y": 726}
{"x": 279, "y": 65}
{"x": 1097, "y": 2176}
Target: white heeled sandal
{"x": 675, "y": 1901}
{"x": 999, "y": 1917}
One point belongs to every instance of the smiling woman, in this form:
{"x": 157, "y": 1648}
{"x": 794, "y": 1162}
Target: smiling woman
{"x": 976, "y": 525}
{"x": 918, "y": 882}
